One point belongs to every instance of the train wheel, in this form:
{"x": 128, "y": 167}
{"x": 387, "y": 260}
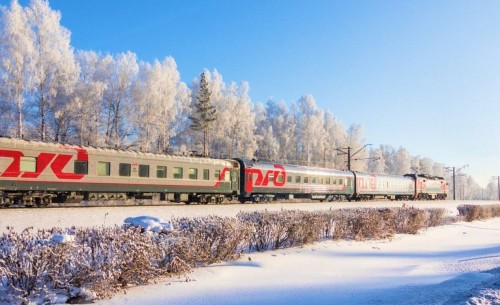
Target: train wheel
{"x": 5, "y": 202}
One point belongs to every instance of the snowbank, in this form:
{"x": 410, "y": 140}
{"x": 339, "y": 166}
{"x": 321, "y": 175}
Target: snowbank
{"x": 62, "y": 238}
{"x": 149, "y": 223}
{"x": 442, "y": 265}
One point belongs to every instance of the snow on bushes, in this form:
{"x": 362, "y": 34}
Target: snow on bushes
{"x": 149, "y": 223}
{"x": 88, "y": 263}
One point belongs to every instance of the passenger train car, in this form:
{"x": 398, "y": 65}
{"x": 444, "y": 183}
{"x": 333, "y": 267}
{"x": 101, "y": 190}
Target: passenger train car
{"x": 36, "y": 173}
{"x": 267, "y": 181}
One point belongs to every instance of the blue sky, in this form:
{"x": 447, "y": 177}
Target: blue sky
{"x": 422, "y": 74}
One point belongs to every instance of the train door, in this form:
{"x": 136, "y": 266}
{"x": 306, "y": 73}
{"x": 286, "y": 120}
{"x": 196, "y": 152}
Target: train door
{"x": 234, "y": 181}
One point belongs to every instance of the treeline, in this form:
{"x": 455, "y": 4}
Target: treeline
{"x": 51, "y": 92}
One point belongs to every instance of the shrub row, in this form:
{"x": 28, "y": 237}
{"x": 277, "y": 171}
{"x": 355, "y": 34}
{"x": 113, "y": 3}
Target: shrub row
{"x": 97, "y": 262}
{"x": 478, "y": 212}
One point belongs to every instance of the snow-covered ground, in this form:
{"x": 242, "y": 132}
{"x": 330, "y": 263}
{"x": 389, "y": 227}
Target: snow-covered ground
{"x": 40, "y": 218}
{"x": 442, "y": 265}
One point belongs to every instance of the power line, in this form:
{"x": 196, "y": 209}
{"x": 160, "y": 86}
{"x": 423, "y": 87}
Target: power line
{"x": 349, "y": 155}
{"x": 455, "y": 172}
{"x": 497, "y": 178}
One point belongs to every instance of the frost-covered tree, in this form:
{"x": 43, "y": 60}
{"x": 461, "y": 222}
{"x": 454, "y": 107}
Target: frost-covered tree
{"x": 269, "y": 145}
{"x": 285, "y": 131}
{"x": 55, "y": 68}
{"x": 427, "y": 166}
{"x": 278, "y": 118}
{"x": 120, "y": 73}
{"x": 377, "y": 161}
{"x": 313, "y": 136}
{"x": 88, "y": 94}
{"x": 355, "y": 140}
{"x": 438, "y": 169}
{"x": 17, "y": 58}
{"x": 241, "y": 121}
{"x": 159, "y": 98}
{"x": 402, "y": 162}
{"x": 235, "y": 119}
{"x": 205, "y": 113}
{"x": 336, "y": 138}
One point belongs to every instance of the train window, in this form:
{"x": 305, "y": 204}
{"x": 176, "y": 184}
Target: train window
{"x": 177, "y": 172}
{"x": 271, "y": 178}
{"x": 341, "y": 181}
{"x": 217, "y": 175}
{"x": 143, "y": 170}
{"x": 227, "y": 176}
{"x": 28, "y": 164}
{"x": 334, "y": 181}
{"x": 161, "y": 172}
{"x": 279, "y": 178}
{"x": 297, "y": 179}
{"x": 81, "y": 167}
{"x": 206, "y": 174}
{"x": 349, "y": 182}
{"x": 289, "y": 179}
{"x": 314, "y": 180}
{"x": 193, "y": 173}
{"x": 327, "y": 181}
{"x": 306, "y": 179}
{"x": 321, "y": 180}
{"x": 103, "y": 168}
{"x": 124, "y": 169}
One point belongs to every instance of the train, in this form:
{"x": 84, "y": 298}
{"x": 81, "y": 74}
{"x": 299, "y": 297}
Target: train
{"x": 34, "y": 173}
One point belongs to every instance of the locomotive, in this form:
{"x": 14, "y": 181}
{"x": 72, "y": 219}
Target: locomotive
{"x": 34, "y": 173}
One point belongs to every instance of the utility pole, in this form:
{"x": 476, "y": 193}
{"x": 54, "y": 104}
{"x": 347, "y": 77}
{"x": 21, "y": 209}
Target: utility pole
{"x": 497, "y": 178}
{"x": 347, "y": 151}
{"x": 455, "y": 172}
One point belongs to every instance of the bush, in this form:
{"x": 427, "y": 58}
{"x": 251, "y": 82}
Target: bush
{"x": 24, "y": 261}
{"x": 91, "y": 263}
{"x": 284, "y": 229}
{"x": 207, "y": 240}
{"x": 478, "y": 212}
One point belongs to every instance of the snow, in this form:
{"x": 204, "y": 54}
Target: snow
{"x": 62, "y": 238}
{"x": 452, "y": 264}
{"x": 47, "y": 218}
{"x": 149, "y": 223}
{"x": 442, "y": 265}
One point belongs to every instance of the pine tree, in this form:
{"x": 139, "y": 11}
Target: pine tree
{"x": 204, "y": 114}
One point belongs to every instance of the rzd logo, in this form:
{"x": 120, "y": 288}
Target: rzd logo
{"x": 262, "y": 180}
{"x": 57, "y": 163}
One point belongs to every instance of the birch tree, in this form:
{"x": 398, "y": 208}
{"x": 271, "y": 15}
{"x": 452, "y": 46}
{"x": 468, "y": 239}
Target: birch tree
{"x": 120, "y": 73}
{"x": 55, "y": 68}
{"x": 335, "y": 138}
{"x": 240, "y": 122}
{"x": 355, "y": 140}
{"x": 402, "y": 162}
{"x": 17, "y": 58}
{"x": 88, "y": 95}
{"x": 159, "y": 98}
{"x": 377, "y": 161}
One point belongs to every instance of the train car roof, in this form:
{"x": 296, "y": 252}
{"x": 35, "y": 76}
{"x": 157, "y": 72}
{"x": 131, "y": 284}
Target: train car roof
{"x": 382, "y": 175}
{"x": 296, "y": 168}
{"x": 91, "y": 150}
